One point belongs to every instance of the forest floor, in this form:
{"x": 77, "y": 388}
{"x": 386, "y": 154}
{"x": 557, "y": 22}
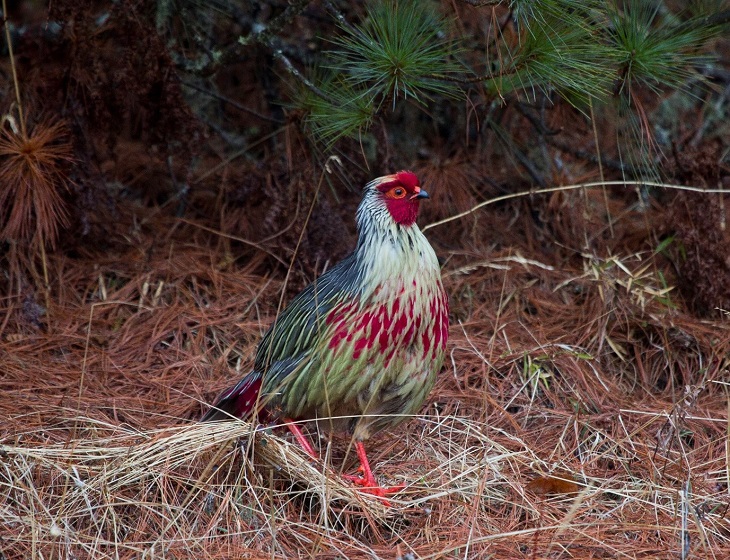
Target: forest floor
{"x": 581, "y": 412}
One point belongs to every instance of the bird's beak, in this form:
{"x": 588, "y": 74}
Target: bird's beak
{"x": 420, "y": 193}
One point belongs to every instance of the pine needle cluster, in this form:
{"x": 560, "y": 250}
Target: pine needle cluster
{"x": 654, "y": 49}
{"x": 586, "y": 52}
{"x": 33, "y": 179}
{"x": 553, "y": 53}
{"x": 400, "y": 51}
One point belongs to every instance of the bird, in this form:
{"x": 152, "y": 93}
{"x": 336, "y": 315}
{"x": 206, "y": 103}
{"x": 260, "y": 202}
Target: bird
{"x": 361, "y": 347}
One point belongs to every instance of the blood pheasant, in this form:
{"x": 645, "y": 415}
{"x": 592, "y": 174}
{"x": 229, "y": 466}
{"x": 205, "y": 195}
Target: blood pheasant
{"x": 359, "y": 349}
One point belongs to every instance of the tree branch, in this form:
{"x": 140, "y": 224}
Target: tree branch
{"x": 260, "y": 35}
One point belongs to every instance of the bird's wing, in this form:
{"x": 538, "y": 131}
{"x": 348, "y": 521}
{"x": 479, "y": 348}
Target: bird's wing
{"x": 300, "y": 327}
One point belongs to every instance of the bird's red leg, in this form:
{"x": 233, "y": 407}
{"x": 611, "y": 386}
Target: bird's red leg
{"x": 301, "y": 438}
{"x": 367, "y": 479}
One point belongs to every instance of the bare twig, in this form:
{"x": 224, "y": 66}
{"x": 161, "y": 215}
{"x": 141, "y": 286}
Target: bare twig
{"x": 570, "y": 188}
{"x": 16, "y": 84}
{"x": 279, "y": 55}
{"x": 261, "y": 35}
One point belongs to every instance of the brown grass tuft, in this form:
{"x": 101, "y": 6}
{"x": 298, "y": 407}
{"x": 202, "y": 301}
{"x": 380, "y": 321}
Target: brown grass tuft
{"x": 33, "y": 180}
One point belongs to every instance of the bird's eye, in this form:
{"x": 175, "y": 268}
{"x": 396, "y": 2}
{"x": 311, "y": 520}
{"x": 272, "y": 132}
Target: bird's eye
{"x": 397, "y": 192}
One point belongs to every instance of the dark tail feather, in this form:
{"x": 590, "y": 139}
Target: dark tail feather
{"x": 240, "y": 401}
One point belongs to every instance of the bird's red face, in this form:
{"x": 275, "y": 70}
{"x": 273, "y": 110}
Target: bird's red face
{"x": 402, "y": 194}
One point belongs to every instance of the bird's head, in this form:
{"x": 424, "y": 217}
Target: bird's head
{"x": 399, "y": 194}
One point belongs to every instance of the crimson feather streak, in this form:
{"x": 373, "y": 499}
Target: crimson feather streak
{"x": 360, "y": 348}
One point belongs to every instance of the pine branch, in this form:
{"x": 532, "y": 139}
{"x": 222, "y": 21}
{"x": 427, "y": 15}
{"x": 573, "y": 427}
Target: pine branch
{"x": 279, "y": 55}
{"x": 522, "y": 159}
{"x": 399, "y": 51}
{"x": 607, "y": 162}
{"x": 718, "y": 19}
{"x": 260, "y": 36}
{"x": 538, "y": 124}
{"x": 274, "y": 27}
{"x": 229, "y": 101}
{"x": 551, "y": 137}
{"x": 337, "y": 14}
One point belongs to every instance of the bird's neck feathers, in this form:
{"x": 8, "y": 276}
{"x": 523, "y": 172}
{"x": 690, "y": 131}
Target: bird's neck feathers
{"x": 389, "y": 254}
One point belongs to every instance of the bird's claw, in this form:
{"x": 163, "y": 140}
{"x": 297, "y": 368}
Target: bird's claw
{"x": 355, "y": 477}
{"x": 370, "y": 486}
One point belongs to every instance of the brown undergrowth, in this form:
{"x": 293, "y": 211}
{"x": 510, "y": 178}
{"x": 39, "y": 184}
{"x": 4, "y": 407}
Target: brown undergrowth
{"x": 568, "y": 360}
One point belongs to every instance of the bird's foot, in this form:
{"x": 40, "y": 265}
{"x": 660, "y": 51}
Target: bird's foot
{"x": 370, "y": 486}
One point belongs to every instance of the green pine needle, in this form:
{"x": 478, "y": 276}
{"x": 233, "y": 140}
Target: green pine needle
{"x": 529, "y": 12}
{"x": 400, "y": 50}
{"x": 654, "y": 50}
{"x": 558, "y": 54}
{"x": 343, "y": 112}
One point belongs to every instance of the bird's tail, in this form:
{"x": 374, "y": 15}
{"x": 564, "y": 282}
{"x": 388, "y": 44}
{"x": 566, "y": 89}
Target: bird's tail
{"x": 240, "y": 401}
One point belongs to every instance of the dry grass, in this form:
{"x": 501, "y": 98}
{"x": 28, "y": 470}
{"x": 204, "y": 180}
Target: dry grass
{"x": 576, "y": 366}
